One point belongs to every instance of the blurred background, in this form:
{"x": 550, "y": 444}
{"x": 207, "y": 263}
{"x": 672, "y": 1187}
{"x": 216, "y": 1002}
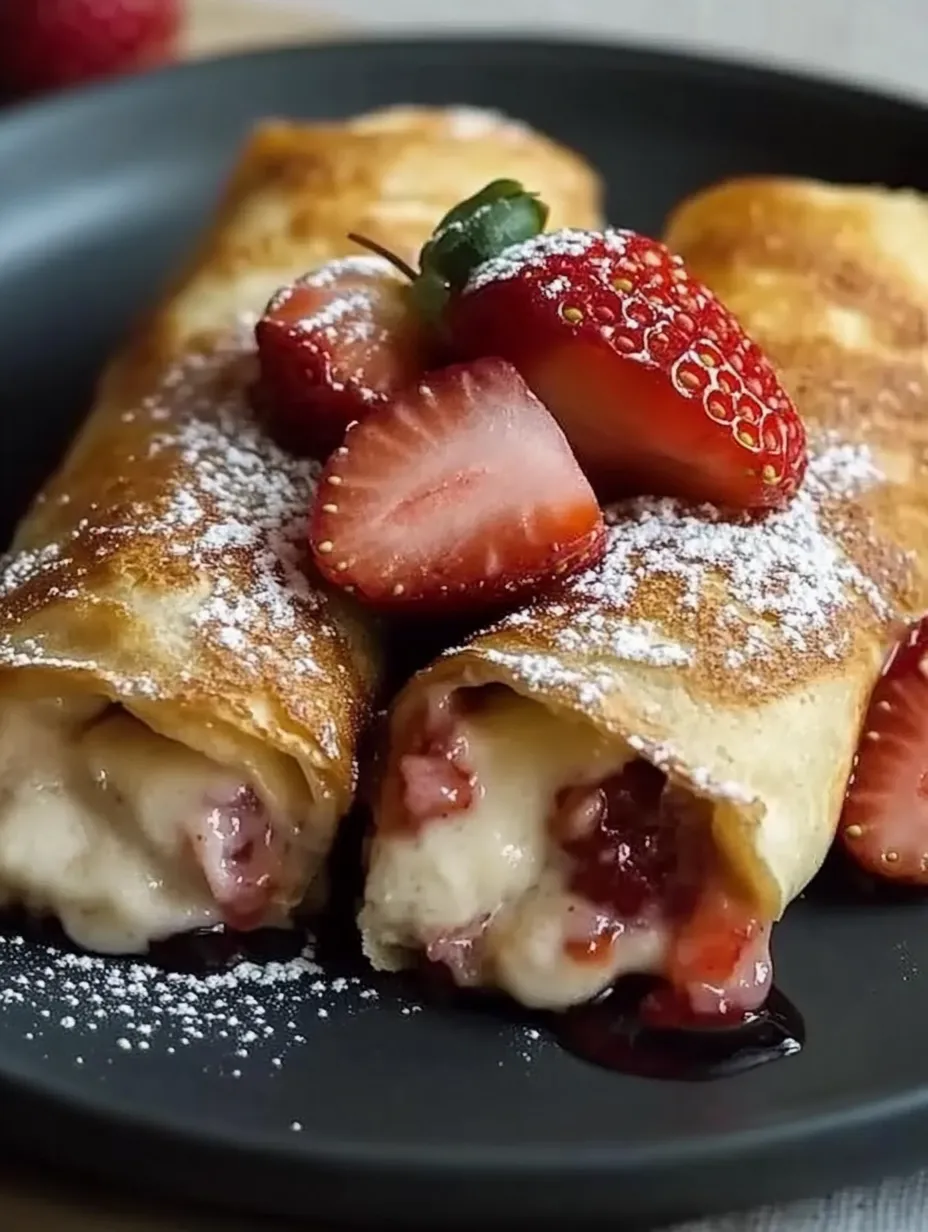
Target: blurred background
{"x": 47, "y": 44}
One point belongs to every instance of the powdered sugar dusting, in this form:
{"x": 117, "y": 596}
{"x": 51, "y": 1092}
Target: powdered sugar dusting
{"x": 16, "y": 570}
{"x": 621, "y": 639}
{"x": 687, "y": 587}
{"x": 666, "y": 758}
{"x": 240, "y": 493}
{"x": 472, "y": 123}
{"x": 250, "y": 1011}
{"x": 457, "y": 224}
{"x": 788, "y": 566}
{"x": 347, "y": 318}
{"x": 363, "y": 265}
{"x": 232, "y": 500}
{"x": 537, "y": 251}
{"x": 540, "y": 671}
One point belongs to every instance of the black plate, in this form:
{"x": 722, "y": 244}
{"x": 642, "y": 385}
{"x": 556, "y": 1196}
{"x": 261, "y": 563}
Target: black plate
{"x": 436, "y": 1115}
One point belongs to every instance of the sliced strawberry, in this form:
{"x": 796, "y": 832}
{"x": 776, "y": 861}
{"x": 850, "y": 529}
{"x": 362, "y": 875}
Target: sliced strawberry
{"x": 710, "y": 945}
{"x": 334, "y": 345}
{"x": 654, "y": 382}
{"x": 459, "y": 494}
{"x": 884, "y": 825}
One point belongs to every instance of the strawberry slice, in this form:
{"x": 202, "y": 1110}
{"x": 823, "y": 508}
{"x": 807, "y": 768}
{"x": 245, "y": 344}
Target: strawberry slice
{"x": 460, "y": 494}
{"x": 884, "y": 824}
{"x": 719, "y": 972}
{"x": 332, "y": 346}
{"x": 654, "y": 382}
{"x": 711, "y": 944}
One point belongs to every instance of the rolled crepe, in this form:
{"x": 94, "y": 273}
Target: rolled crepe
{"x": 572, "y": 794}
{"x": 180, "y": 699}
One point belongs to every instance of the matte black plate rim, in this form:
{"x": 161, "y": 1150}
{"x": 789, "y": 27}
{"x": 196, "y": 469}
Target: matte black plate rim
{"x": 653, "y": 59}
{"x": 619, "y": 1156}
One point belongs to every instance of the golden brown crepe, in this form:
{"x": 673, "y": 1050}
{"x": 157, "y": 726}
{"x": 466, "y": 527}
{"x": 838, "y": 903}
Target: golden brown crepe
{"x": 833, "y": 283}
{"x": 735, "y": 657}
{"x": 180, "y": 701}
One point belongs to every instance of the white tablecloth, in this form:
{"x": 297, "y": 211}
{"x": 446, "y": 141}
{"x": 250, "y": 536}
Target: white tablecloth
{"x": 894, "y": 1206}
{"x": 880, "y": 41}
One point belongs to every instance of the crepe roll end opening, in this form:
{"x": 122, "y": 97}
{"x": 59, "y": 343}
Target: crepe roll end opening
{"x": 126, "y": 835}
{"x": 734, "y": 826}
{"x": 524, "y": 850}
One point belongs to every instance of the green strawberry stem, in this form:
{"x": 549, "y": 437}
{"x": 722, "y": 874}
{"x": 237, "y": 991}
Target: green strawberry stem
{"x": 397, "y": 262}
{"x": 477, "y": 230}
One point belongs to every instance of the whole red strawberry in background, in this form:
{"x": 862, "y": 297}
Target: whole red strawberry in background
{"x": 48, "y": 44}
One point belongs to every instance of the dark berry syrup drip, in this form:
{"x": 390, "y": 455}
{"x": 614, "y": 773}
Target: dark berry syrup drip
{"x": 615, "y": 1033}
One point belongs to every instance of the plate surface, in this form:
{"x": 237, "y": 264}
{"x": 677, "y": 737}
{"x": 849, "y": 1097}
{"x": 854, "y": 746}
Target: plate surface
{"x": 331, "y": 1095}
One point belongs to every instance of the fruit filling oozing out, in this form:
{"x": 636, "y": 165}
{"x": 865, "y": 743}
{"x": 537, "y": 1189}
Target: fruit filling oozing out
{"x": 525, "y": 852}
{"x": 125, "y": 835}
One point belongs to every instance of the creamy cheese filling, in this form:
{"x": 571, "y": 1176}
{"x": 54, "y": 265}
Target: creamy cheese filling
{"x": 493, "y": 874}
{"x": 95, "y": 822}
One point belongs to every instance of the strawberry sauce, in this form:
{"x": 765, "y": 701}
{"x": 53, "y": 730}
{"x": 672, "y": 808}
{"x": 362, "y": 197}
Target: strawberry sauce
{"x": 644, "y": 852}
{"x": 631, "y": 846}
{"x": 641, "y": 854}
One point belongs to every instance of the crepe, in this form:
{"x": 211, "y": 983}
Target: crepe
{"x": 833, "y": 283}
{"x": 734, "y": 657}
{"x": 180, "y": 699}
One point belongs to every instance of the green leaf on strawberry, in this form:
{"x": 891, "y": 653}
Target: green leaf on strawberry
{"x": 500, "y": 215}
{"x": 477, "y": 230}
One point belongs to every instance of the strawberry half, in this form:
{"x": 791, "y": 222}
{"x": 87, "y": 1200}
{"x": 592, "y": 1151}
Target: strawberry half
{"x": 332, "y": 346}
{"x": 884, "y": 825}
{"x": 459, "y": 494}
{"x": 656, "y": 385}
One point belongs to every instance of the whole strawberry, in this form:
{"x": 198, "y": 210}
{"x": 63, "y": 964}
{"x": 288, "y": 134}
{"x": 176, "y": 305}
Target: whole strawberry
{"x": 334, "y": 345}
{"x": 655, "y": 383}
{"x": 48, "y": 44}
